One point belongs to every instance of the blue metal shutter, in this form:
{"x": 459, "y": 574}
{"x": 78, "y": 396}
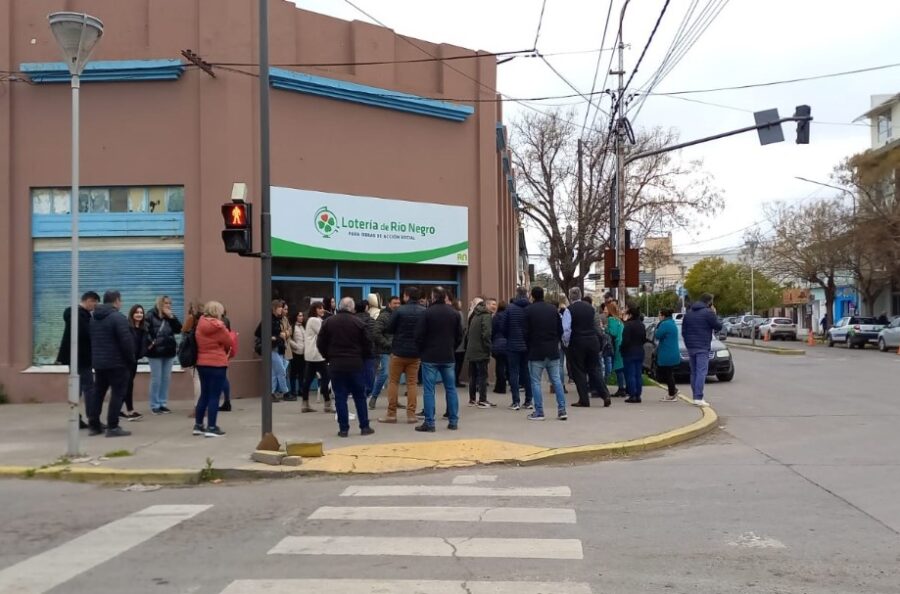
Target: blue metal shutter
{"x": 140, "y": 275}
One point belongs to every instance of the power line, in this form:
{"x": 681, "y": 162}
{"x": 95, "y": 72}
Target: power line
{"x": 744, "y": 110}
{"x": 540, "y": 22}
{"x": 647, "y": 45}
{"x": 573, "y": 87}
{"x": 781, "y": 82}
{"x": 597, "y": 67}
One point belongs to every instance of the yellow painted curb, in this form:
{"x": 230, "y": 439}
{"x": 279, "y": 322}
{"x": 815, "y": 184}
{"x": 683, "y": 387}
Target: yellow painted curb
{"x": 121, "y": 475}
{"x": 16, "y": 471}
{"x": 707, "y": 422}
{"x": 768, "y": 350}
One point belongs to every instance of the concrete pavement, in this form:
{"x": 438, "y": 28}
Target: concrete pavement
{"x": 162, "y": 449}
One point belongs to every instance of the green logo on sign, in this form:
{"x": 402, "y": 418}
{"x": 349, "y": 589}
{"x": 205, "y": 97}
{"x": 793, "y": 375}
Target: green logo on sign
{"x": 326, "y": 222}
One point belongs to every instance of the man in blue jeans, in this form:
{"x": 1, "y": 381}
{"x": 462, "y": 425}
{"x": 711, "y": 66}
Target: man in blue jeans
{"x": 383, "y": 339}
{"x": 543, "y": 331}
{"x": 345, "y": 344}
{"x": 517, "y": 349}
{"x": 697, "y": 331}
{"x": 438, "y": 333}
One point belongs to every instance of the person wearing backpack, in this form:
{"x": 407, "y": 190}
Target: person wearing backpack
{"x": 215, "y": 346}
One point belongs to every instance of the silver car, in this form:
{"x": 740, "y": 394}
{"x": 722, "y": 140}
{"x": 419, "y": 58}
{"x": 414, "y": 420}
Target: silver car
{"x": 889, "y": 338}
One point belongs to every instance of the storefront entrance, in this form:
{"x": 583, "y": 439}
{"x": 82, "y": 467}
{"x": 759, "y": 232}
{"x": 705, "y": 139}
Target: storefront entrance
{"x": 301, "y": 282}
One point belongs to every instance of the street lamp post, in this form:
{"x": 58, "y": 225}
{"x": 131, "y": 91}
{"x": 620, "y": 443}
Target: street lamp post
{"x": 77, "y": 34}
{"x": 751, "y": 247}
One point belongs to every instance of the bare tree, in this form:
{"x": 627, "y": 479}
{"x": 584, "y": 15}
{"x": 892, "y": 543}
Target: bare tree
{"x": 662, "y": 192}
{"x": 811, "y": 243}
{"x": 876, "y": 223}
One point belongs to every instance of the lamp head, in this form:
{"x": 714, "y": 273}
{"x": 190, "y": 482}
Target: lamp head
{"x": 77, "y": 35}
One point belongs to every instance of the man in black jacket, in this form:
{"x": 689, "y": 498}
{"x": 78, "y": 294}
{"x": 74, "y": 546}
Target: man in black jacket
{"x": 543, "y": 331}
{"x": 112, "y": 354}
{"x": 85, "y": 373}
{"x": 516, "y": 348}
{"x": 383, "y": 340}
{"x": 580, "y": 338}
{"x": 346, "y": 345}
{"x": 438, "y": 333}
{"x": 404, "y": 357}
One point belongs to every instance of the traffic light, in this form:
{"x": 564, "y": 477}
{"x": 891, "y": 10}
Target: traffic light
{"x": 803, "y": 111}
{"x": 238, "y": 233}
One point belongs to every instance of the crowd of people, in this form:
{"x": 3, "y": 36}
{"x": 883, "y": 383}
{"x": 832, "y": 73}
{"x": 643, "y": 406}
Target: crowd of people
{"x": 356, "y": 349}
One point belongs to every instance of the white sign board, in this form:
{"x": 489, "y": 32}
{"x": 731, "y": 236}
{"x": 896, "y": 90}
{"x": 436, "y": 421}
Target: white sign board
{"x": 308, "y": 224}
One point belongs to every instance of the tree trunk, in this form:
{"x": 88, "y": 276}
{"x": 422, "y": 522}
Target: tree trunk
{"x": 830, "y": 291}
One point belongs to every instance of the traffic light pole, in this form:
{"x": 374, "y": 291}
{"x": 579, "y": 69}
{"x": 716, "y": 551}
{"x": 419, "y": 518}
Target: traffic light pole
{"x": 265, "y": 220}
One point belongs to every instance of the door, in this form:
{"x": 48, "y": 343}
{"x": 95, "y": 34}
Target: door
{"x": 355, "y": 291}
{"x": 384, "y": 292}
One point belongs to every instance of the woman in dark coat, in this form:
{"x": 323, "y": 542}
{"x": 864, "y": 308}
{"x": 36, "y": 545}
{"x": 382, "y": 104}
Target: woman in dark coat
{"x": 138, "y": 328}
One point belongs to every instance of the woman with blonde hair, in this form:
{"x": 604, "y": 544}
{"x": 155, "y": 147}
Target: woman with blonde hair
{"x": 162, "y": 327}
{"x": 215, "y": 346}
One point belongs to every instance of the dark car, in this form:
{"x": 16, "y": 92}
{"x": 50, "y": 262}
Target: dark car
{"x": 721, "y": 364}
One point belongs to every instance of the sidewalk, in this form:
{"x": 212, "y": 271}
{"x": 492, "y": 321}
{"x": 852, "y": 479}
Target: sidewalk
{"x": 163, "y": 450}
{"x": 774, "y": 347}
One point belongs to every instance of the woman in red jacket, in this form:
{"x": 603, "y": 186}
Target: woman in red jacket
{"x": 215, "y": 346}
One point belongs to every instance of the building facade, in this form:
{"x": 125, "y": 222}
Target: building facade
{"x": 406, "y": 151}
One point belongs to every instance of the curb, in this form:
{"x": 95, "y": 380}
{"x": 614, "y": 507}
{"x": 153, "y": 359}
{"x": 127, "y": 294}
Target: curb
{"x": 108, "y": 476}
{"x": 706, "y": 423}
{"x": 358, "y": 462}
{"x": 768, "y": 350}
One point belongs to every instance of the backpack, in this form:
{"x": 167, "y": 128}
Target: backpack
{"x": 187, "y": 350}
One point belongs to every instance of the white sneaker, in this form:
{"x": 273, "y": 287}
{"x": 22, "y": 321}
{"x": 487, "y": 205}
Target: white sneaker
{"x": 352, "y": 416}
{"x": 701, "y": 403}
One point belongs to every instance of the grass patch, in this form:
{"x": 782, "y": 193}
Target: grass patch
{"x": 118, "y": 454}
{"x": 30, "y": 473}
{"x": 208, "y": 473}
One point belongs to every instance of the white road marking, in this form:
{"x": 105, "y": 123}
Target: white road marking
{"x": 58, "y": 565}
{"x": 471, "y": 479}
{"x": 452, "y": 491}
{"x": 521, "y": 515}
{"x": 750, "y": 540}
{"x": 517, "y": 548}
{"x": 293, "y": 586}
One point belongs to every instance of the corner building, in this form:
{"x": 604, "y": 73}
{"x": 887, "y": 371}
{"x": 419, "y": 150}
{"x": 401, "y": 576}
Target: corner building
{"x": 384, "y": 175}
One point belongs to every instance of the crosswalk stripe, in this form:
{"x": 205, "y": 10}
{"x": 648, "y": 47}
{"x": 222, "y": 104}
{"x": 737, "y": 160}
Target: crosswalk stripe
{"x": 452, "y": 491}
{"x": 520, "y": 548}
{"x": 471, "y": 479}
{"x": 338, "y": 586}
{"x": 58, "y": 565}
{"x": 521, "y": 515}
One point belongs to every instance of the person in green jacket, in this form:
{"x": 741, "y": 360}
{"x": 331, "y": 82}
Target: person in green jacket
{"x": 668, "y": 353}
{"x": 478, "y": 351}
{"x": 615, "y": 327}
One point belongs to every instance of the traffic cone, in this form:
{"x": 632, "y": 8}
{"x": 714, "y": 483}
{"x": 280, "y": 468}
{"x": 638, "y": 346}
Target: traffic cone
{"x": 810, "y": 339}
{"x": 898, "y": 350}
{"x": 767, "y": 338}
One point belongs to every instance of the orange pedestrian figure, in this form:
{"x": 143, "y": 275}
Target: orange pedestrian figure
{"x": 237, "y": 215}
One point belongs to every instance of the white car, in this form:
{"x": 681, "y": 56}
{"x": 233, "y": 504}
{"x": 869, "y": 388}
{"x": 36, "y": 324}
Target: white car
{"x": 889, "y": 338}
{"x": 783, "y": 328}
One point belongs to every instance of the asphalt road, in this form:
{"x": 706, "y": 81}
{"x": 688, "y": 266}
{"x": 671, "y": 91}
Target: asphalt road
{"x": 799, "y": 492}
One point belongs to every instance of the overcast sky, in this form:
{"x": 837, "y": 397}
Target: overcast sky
{"x": 751, "y": 41}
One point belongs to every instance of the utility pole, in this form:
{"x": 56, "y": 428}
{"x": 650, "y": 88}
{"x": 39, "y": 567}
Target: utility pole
{"x": 579, "y": 217}
{"x": 618, "y": 213}
{"x": 265, "y": 220}
{"x": 751, "y": 247}
{"x": 683, "y": 269}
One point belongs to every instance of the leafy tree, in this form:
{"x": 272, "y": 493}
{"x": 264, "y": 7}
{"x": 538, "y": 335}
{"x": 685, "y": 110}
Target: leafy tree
{"x": 729, "y": 282}
{"x": 811, "y": 243}
{"x": 662, "y": 191}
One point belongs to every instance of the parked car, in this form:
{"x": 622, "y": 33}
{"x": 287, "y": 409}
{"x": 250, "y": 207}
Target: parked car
{"x": 854, "y": 331}
{"x": 742, "y": 325}
{"x": 750, "y": 327}
{"x": 729, "y": 325}
{"x": 782, "y": 328}
{"x": 721, "y": 364}
{"x": 889, "y": 338}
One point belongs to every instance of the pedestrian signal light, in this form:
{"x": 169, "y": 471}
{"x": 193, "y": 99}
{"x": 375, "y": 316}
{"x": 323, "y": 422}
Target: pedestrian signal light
{"x": 237, "y": 235}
